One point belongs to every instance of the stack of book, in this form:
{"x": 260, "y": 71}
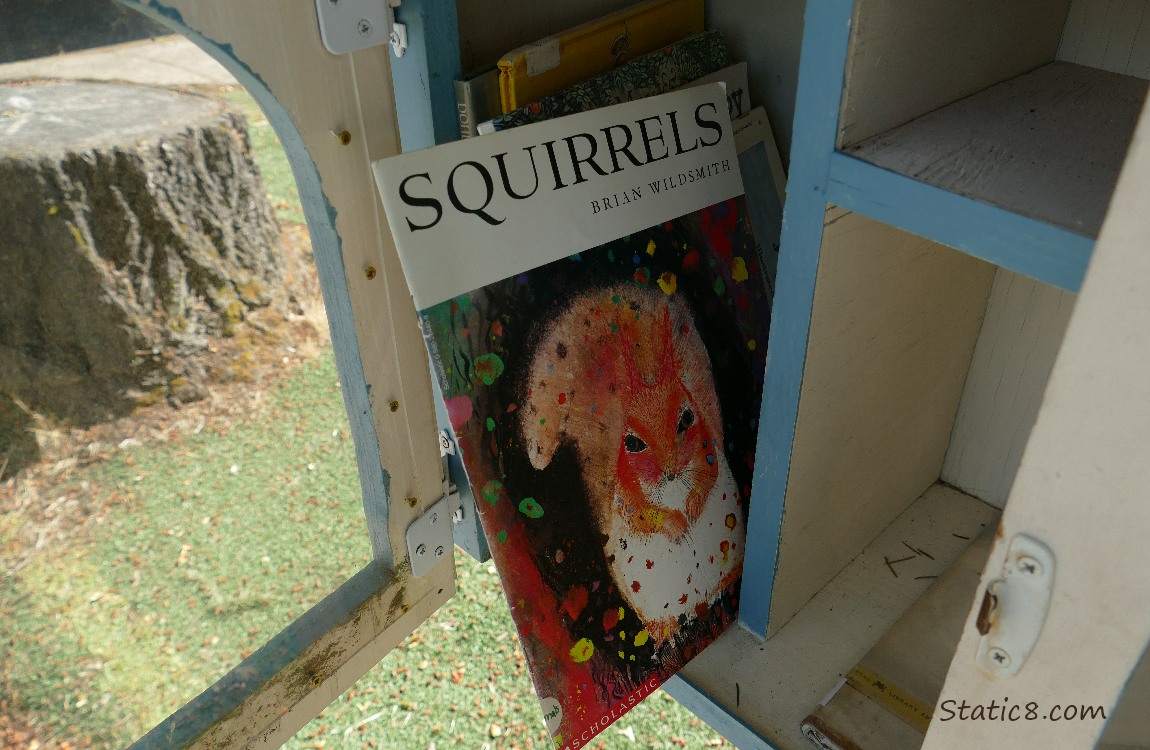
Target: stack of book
{"x": 650, "y": 48}
{"x": 594, "y": 280}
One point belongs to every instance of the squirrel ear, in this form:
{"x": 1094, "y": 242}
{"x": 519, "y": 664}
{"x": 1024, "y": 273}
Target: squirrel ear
{"x": 541, "y": 433}
{"x": 544, "y": 413}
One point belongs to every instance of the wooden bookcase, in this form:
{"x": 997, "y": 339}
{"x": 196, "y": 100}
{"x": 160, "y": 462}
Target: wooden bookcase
{"x": 950, "y": 167}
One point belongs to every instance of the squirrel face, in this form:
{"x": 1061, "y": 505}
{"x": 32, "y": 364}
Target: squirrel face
{"x": 623, "y": 375}
{"x": 666, "y": 464}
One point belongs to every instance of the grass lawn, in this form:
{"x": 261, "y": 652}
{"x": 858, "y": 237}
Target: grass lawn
{"x": 210, "y": 543}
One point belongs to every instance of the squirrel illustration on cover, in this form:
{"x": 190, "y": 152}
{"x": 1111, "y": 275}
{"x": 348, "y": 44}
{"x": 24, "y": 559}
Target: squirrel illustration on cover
{"x": 623, "y": 375}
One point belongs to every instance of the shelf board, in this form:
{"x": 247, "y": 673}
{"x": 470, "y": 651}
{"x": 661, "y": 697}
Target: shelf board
{"x": 1031, "y": 164}
{"x": 1047, "y": 144}
{"x": 1031, "y": 247}
{"x": 763, "y": 689}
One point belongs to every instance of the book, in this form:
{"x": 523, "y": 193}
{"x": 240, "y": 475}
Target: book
{"x": 765, "y": 186}
{"x": 477, "y": 99}
{"x": 887, "y": 700}
{"x": 589, "y": 292}
{"x": 655, "y": 73}
{"x": 553, "y": 63}
{"x": 734, "y": 77}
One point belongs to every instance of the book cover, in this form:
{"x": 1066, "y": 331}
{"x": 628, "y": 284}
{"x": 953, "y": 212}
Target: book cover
{"x": 765, "y": 187}
{"x": 655, "y": 73}
{"x": 734, "y": 77}
{"x": 551, "y": 64}
{"x": 589, "y": 291}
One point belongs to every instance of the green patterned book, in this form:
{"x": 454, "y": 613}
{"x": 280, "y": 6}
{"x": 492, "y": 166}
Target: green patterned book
{"x": 655, "y": 73}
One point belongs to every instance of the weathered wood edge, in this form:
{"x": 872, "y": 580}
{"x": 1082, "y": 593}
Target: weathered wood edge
{"x": 282, "y": 686}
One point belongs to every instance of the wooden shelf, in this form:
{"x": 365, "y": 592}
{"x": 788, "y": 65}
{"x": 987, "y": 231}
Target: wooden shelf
{"x": 1035, "y": 158}
{"x": 771, "y": 685}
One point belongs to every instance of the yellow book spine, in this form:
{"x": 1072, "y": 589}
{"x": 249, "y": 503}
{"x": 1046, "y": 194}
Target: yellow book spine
{"x": 552, "y": 64}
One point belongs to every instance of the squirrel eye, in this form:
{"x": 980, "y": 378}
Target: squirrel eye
{"x": 686, "y": 419}
{"x": 634, "y": 444}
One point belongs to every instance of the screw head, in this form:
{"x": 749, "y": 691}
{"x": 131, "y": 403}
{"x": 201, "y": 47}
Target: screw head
{"x": 421, "y": 550}
{"x": 1028, "y": 566}
{"x": 439, "y": 551}
{"x": 364, "y": 27}
{"x": 434, "y": 518}
{"x": 999, "y": 657}
{"x": 370, "y": 271}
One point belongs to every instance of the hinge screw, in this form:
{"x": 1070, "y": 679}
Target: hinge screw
{"x": 364, "y": 27}
{"x": 421, "y": 550}
{"x": 1029, "y": 566}
{"x": 439, "y": 551}
{"x": 434, "y": 518}
{"x": 999, "y": 657}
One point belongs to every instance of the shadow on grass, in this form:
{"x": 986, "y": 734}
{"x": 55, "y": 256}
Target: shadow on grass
{"x": 18, "y": 446}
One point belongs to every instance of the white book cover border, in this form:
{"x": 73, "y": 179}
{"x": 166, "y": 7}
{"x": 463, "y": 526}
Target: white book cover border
{"x": 589, "y": 179}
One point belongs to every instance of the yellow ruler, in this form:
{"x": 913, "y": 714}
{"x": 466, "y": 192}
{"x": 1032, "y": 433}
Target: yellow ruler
{"x": 890, "y": 697}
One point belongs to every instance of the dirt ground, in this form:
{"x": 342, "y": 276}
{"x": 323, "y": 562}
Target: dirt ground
{"x": 241, "y": 368}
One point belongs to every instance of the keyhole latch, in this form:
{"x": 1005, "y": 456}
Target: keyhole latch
{"x": 1014, "y": 607}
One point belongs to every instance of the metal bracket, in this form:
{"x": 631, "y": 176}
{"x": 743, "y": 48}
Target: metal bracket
{"x": 351, "y": 25}
{"x": 429, "y": 537}
{"x": 1014, "y": 607}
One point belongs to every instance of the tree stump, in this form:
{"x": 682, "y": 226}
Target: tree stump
{"x": 133, "y": 225}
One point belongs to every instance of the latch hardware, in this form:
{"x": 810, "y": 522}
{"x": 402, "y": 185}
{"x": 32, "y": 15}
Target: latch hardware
{"x": 351, "y": 25}
{"x": 1014, "y": 607}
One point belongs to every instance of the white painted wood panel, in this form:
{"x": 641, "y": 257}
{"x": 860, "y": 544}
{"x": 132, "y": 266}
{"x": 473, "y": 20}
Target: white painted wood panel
{"x": 278, "y": 43}
{"x": 1048, "y": 144}
{"x": 772, "y": 685}
{"x": 1020, "y": 337}
{"x": 909, "y": 57}
{"x": 1112, "y": 35}
{"x": 1081, "y": 490}
{"x": 893, "y": 327}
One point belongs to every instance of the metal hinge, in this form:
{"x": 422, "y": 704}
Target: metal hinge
{"x": 1015, "y": 606}
{"x": 351, "y": 25}
{"x": 429, "y": 537}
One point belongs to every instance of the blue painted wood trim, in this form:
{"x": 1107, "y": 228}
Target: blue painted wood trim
{"x": 424, "y": 82}
{"x": 1031, "y": 247}
{"x": 287, "y": 648}
{"x": 327, "y": 247}
{"x": 717, "y": 716}
{"x": 826, "y": 36}
{"x": 424, "y": 78}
